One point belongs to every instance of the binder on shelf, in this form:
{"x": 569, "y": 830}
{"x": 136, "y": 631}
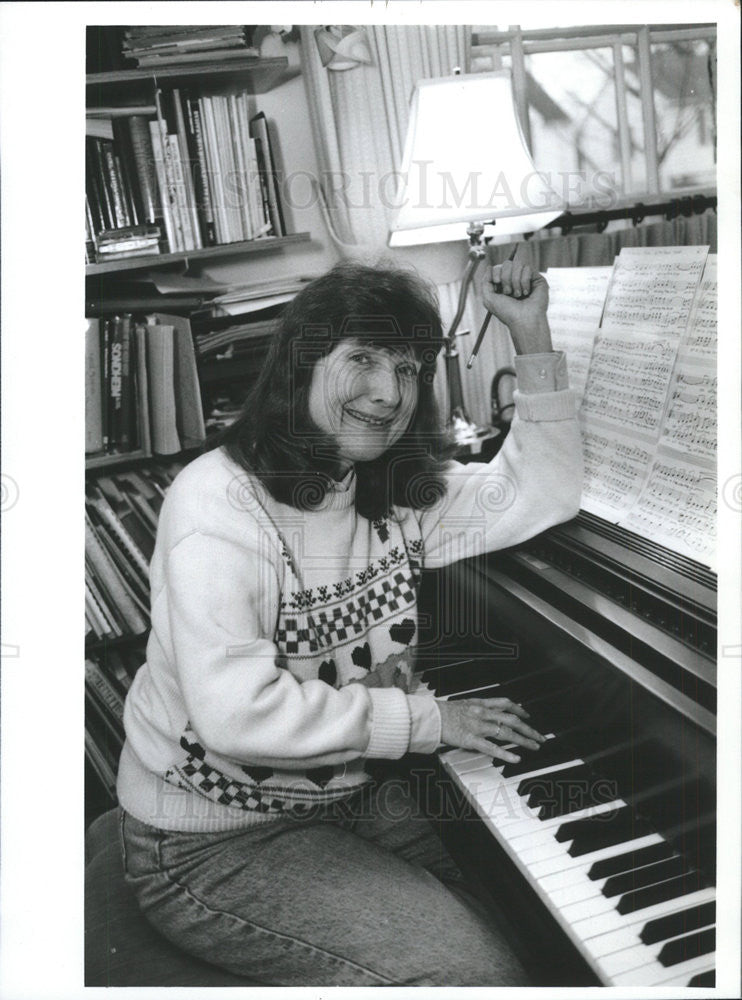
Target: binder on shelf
{"x": 188, "y": 409}
{"x": 267, "y": 166}
{"x": 161, "y": 374}
{"x": 93, "y": 388}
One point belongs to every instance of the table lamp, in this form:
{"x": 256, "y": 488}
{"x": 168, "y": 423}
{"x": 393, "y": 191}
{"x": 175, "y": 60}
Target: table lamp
{"x": 467, "y": 174}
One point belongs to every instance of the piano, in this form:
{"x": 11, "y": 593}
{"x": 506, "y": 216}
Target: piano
{"x": 601, "y": 845}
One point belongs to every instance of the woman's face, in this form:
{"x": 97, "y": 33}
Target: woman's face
{"x": 364, "y": 398}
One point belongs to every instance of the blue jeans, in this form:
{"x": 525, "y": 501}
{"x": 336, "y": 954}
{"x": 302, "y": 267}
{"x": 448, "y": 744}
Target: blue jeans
{"x": 361, "y": 895}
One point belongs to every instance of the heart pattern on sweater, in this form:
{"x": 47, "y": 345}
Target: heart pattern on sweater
{"x": 402, "y": 631}
{"x": 257, "y": 774}
{"x": 361, "y": 656}
{"x": 328, "y": 672}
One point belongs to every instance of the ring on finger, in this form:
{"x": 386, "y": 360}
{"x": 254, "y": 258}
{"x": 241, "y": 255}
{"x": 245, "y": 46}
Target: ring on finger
{"x": 498, "y": 730}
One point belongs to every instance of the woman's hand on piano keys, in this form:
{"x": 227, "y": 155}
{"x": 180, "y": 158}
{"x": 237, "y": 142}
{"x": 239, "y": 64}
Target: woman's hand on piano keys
{"x": 473, "y": 723}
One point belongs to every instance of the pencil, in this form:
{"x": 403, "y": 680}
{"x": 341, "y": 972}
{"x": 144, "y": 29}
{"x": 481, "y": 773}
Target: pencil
{"x": 487, "y": 318}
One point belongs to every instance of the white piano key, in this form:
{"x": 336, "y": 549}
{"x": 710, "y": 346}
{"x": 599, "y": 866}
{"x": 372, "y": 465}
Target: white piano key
{"x": 604, "y": 922}
{"x": 552, "y": 865}
{"x": 568, "y": 878}
{"x": 589, "y": 908}
{"x": 582, "y": 889}
{"x": 475, "y": 763}
{"x": 454, "y": 756}
{"x": 656, "y": 974}
{"x": 543, "y": 852}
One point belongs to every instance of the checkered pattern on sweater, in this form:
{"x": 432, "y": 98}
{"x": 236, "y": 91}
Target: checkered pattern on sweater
{"x": 352, "y": 618}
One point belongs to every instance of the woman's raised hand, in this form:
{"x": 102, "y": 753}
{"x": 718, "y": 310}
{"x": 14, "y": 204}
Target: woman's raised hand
{"x": 473, "y": 722}
{"x": 520, "y": 303}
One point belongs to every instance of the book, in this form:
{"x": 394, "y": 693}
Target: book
{"x": 105, "y": 691}
{"x": 259, "y": 129}
{"x": 99, "y": 192}
{"x": 242, "y": 176}
{"x": 165, "y": 195}
{"x": 93, "y": 388}
{"x": 188, "y": 408}
{"x": 214, "y": 175}
{"x": 161, "y": 375}
{"x": 142, "y": 387}
{"x": 189, "y": 190}
{"x": 115, "y": 183}
{"x": 203, "y": 193}
{"x": 140, "y": 142}
{"x": 246, "y": 55}
{"x": 108, "y": 576}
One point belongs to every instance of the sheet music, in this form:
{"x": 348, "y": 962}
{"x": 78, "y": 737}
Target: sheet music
{"x": 653, "y": 288}
{"x": 615, "y": 471}
{"x": 576, "y": 298}
{"x": 648, "y": 415}
{"x": 677, "y": 509}
{"x": 628, "y": 382}
{"x": 699, "y": 340}
{"x": 689, "y": 427}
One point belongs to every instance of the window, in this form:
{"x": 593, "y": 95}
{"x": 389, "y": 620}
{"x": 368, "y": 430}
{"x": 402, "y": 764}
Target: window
{"x": 625, "y": 109}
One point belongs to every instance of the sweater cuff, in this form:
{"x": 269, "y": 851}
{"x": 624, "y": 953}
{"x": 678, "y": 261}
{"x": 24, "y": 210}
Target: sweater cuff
{"x": 545, "y": 405}
{"x": 545, "y": 372}
{"x": 426, "y": 723}
{"x": 390, "y": 723}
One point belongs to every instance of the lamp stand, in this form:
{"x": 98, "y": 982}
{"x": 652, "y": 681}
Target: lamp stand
{"x": 459, "y": 422}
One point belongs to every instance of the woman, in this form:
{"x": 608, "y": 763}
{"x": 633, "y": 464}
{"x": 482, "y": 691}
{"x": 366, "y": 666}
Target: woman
{"x": 283, "y": 630}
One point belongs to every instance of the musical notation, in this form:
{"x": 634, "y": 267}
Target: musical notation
{"x": 653, "y": 289}
{"x": 628, "y": 381}
{"x": 615, "y": 469}
{"x": 690, "y": 422}
{"x": 677, "y": 508}
{"x": 576, "y": 299}
{"x": 699, "y": 340}
{"x": 648, "y": 413}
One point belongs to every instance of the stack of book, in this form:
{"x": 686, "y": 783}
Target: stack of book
{"x": 120, "y": 523}
{"x": 199, "y": 171}
{"x": 152, "y": 46}
{"x": 122, "y": 201}
{"x": 141, "y": 386}
{"x": 121, "y": 520}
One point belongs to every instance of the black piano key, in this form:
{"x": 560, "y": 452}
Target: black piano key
{"x": 703, "y": 979}
{"x": 552, "y": 752}
{"x": 595, "y": 839}
{"x": 672, "y": 888}
{"x": 553, "y": 786}
{"x": 576, "y": 827}
{"x": 647, "y": 875}
{"x": 630, "y": 860}
{"x": 678, "y": 923}
{"x": 690, "y": 946}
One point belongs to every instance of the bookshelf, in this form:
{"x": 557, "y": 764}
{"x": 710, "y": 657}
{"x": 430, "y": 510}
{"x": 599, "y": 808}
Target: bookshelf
{"x": 254, "y": 74}
{"x": 266, "y": 245}
{"x": 125, "y": 488}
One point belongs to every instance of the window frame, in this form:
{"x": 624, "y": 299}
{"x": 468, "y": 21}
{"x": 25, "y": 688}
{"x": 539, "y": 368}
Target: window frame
{"x": 519, "y": 43}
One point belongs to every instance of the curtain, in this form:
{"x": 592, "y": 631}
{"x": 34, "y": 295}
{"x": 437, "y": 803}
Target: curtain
{"x": 359, "y": 121}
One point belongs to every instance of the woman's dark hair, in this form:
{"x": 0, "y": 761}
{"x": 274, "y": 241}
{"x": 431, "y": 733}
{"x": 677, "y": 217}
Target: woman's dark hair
{"x": 274, "y": 437}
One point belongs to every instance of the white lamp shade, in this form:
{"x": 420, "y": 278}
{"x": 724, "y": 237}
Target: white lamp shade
{"x": 465, "y": 160}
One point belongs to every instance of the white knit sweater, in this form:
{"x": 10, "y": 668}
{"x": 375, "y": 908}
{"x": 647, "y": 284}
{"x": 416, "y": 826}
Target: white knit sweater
{"x": 283, "y": 640}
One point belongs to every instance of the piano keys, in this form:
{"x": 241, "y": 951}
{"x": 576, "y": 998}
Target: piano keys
{"x": 610, "y": 824}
